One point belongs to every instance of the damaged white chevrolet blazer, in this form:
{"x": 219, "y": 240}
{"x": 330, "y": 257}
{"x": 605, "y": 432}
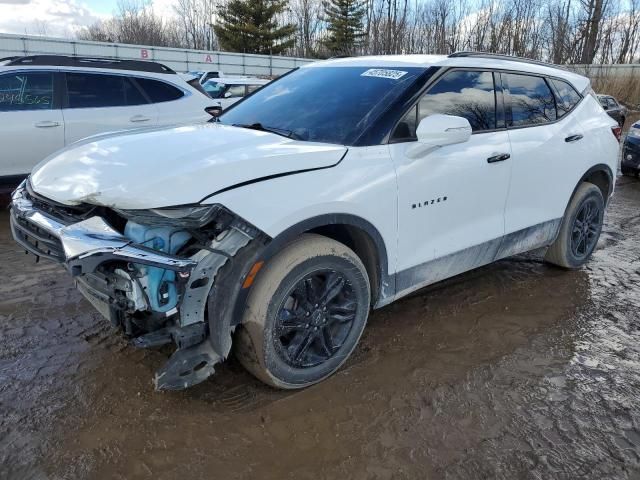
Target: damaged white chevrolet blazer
{"x": 340, "y": 187}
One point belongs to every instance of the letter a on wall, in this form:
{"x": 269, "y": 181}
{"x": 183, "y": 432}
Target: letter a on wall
{"x": 207, "y": 58}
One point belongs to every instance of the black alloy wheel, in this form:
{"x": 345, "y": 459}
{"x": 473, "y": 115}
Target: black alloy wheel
{"x": 314, "y": 319}
{"x": 586, "y": 229}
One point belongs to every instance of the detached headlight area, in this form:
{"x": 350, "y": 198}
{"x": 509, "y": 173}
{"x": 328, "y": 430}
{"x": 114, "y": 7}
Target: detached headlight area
{"x": 185, "y": 216}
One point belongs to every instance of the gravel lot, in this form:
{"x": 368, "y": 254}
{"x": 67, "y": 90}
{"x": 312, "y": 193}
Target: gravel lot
{"x": 515, "y": 370}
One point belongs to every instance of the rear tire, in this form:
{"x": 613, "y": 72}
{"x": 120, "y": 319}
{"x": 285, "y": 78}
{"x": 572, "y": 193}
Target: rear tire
{"x": 580, "y": 229}
{"x": 305, "y": 313}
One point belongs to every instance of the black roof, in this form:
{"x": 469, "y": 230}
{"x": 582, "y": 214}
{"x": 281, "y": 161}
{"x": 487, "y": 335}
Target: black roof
{"x": 93, "y": 62}
{"x": 500, "y": 56}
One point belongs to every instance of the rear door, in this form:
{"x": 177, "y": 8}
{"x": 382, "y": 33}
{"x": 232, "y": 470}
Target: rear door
{"x": 173, "y": 104}
{"x": 31, "y": 124}
{"x": 99, "y": 103}
{"x": 548, "y": 151}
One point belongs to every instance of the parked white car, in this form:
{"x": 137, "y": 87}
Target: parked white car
{"x": 279, "y": 228}
{"x": 48, "y": 102}
{"x": 230, "y": 90}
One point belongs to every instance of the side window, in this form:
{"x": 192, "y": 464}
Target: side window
{"x": 567, "y": 97}
{"x": 91, "y": 90}
{"x": 612, "y": 103}
{"x": 532, "y": 102}
{"x": 469, "y": 94}
{"x": 26, "y": 91}
{"x": 234, "y": 91}
{"x": 132, "y": 93}
{"x": 159, "y": 91}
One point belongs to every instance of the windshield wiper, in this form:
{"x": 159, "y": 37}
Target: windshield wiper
{"x": 278, "y": 131}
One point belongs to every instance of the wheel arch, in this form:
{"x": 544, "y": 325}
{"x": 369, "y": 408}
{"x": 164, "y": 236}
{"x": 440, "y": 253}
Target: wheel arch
{"x": 356, "y": 233}
{"x": 601, "y": 176}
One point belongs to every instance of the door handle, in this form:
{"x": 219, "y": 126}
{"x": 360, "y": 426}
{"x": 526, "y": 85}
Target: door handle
{"x": 47, "y": 124}
{"x": 501, "y": 157}
{"x": 573, "y": 138}
{"x": 139, "y": 118}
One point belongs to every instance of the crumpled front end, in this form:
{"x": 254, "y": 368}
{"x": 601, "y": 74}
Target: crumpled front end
{"x": 149, "y": 275}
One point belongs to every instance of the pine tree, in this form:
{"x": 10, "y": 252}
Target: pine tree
{"x": 250, "y": 26}
{"x": 345, "y": 25}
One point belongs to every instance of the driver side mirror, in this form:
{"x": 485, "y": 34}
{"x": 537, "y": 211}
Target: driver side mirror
{"x": 437, "y": 131}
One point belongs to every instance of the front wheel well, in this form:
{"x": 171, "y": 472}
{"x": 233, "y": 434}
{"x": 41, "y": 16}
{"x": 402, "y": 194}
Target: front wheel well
{"x": 363, "y": 246}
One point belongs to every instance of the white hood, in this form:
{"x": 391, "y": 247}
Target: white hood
{"x": 176, "y": 166}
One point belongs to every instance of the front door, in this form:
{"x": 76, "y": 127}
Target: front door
{"x": 451, "y": 201}
{"x": 31, "y": 126}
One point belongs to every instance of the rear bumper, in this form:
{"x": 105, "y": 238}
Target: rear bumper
{"x": 81, "y": 247}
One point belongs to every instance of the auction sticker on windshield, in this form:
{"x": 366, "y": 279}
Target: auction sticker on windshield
{"x": 383, "y": 73}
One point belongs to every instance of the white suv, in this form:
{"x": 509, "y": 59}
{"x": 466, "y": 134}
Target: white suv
{"x": 342, "y": 186}
{"x": 47, "y": 102}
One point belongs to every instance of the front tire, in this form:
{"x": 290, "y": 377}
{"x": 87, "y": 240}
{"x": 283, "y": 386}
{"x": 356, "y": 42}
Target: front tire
{"x": 305, "y": 313}
{"x": 580, "y": 229}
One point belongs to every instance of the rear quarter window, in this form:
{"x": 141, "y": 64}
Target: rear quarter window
{"x": 567, "y": 97}
{"x": 158, "y": 91}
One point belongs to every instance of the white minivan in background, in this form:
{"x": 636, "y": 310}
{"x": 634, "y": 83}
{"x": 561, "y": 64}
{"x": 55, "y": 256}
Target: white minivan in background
{"x": 48, "y": 102}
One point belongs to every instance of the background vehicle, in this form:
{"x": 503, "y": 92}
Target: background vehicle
{"x": 229, "y": 90}
{"x": 47, "y": 102}
{"x": 613, "y": 108}
{"x": 276, "y": 229}
{"x": 203, "y": 77}
{"x": 630, "y": 164}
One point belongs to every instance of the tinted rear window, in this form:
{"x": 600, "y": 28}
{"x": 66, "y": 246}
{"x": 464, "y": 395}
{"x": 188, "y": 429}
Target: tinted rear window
{"x": 532, "y": 102}
{"x": 159, "y": 91}
{"x": 567, "y": 96}
{"x": 90, "y": 90}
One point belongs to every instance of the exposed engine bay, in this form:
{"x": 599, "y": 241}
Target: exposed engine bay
{"x": 151, "y": 273}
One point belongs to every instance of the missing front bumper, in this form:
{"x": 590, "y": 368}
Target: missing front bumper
{"x": 84, "y": 246}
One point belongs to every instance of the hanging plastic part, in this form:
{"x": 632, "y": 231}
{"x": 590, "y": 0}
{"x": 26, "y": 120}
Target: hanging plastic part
{"x": 187, "y": 367}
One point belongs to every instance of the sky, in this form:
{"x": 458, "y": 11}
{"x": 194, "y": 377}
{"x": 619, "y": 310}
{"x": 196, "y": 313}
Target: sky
{"x": 60, "y": 18}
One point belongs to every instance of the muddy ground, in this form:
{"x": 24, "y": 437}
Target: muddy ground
{"x": 516, "y": 370}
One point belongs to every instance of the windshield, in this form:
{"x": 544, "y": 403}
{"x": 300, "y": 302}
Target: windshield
{"x": 324, "y": 104}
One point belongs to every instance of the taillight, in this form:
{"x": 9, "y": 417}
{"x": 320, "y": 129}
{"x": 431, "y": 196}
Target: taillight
{"x": 617, "y": 132}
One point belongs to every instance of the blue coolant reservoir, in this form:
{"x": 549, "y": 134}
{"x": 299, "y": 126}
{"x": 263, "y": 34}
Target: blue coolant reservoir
{"x": 159, "y": 284}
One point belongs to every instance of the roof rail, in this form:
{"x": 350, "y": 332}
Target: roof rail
{"x": 501, "y": 56}
{"x": 94, "y": 62}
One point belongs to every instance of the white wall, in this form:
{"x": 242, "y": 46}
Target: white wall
{"x": 181, "y": 60}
